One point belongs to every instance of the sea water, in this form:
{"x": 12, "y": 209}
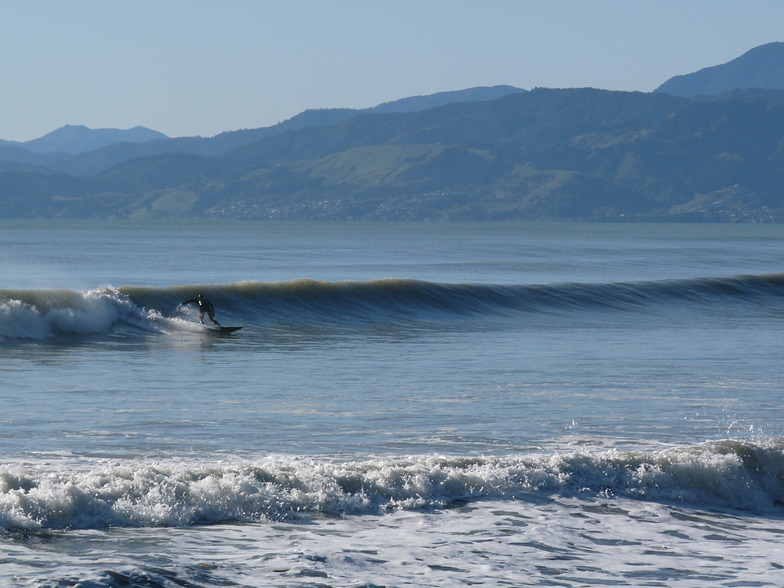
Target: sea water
{"x": 406, "y": 404}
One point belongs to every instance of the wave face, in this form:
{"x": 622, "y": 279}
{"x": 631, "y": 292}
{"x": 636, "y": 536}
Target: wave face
{"x": 42, "y": 314}
{"x": 727, "y": 474}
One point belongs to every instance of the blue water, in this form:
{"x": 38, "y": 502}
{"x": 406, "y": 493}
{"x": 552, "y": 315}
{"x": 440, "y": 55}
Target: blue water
{"x": 406, "y": 404}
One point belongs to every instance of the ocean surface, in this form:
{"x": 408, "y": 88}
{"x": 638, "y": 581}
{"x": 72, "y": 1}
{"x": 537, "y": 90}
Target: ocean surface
{"x": 405, "y": 405}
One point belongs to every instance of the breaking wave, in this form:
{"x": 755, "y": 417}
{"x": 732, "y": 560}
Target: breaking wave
{"x": 727, "y": 474}
{"x": 42, "y": 314}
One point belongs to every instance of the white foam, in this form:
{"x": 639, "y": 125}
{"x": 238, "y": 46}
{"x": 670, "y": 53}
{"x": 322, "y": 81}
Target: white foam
{"x": 21, "y": 321}
{"x": 42, "y": 314}
{"x": 575, "y": 541}
{"x": 728, "y": 474}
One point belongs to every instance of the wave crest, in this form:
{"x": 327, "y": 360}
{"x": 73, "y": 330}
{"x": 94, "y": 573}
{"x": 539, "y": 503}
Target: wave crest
{"x": 43, "y": 314}
{"x": 40, "y": 314}
{"x": 729, "y": 474}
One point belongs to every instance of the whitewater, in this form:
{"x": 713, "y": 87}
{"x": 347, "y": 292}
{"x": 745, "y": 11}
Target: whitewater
{"x": 406, "y": 405}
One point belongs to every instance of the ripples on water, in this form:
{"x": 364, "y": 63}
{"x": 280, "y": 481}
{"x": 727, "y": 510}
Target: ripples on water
{"x": 406, "y": 404}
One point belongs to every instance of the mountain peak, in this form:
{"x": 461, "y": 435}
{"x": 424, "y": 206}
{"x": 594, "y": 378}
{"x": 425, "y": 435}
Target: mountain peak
{"x": 79, "y": 139}
{"x": 761, "y": 67}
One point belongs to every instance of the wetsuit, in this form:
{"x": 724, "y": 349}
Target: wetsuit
{"x": 205, "y": 307}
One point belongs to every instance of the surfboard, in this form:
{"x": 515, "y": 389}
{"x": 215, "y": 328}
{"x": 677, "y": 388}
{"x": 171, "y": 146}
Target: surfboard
{"x": 225, "y": 329}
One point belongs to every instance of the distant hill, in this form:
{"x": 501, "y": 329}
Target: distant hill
{"x": 79, "y": 139}
{"x": 497, "y": 153}
{"x": 761, "y": 67}
{"x": 419, "y": 103}
{"x": 104, "y": 148}
{"x": 579, "y": 154}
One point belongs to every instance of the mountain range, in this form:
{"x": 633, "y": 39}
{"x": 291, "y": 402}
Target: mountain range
{"x": 708, "y": 146}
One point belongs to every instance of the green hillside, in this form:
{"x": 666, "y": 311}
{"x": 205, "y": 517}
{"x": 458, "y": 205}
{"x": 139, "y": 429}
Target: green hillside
{"x": 544, "y": 154}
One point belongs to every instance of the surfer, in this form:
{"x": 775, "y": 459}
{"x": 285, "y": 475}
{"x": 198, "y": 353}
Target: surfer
{"x": 205, "y": 307}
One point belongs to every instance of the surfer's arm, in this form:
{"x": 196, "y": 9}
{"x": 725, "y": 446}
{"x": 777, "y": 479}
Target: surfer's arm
{"x": 191, "y": 301}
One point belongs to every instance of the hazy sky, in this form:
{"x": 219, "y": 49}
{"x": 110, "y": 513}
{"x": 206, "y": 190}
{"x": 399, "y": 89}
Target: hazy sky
{"x": 197, "y": 67}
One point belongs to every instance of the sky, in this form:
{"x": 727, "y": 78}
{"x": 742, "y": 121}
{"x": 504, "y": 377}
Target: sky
{"x": 198, "y": 67}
